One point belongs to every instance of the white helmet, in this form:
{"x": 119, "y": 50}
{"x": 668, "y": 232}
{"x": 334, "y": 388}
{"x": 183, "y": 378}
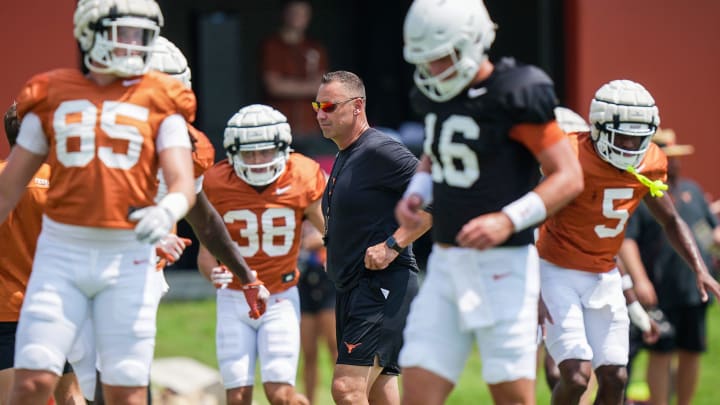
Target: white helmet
{"x": 434, "y": 29}
{"x": 622, "y": 107}
{"x": 570, "y": 121}
{"x": 97, "y": 25}
{"x": 167, "y": 58}
{"x": 253, "y": 128}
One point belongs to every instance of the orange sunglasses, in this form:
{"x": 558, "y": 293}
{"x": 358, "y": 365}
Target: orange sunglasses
{"x": 329, "y": 106}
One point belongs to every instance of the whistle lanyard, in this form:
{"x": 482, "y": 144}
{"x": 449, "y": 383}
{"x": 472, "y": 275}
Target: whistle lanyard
{"x": 334, "y": 173}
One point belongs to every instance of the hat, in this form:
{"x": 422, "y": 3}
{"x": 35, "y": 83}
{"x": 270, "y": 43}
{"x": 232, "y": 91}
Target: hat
{"x": 665, "y": 139}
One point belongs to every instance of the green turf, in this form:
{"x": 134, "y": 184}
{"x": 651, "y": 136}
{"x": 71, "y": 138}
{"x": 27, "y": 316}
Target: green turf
{"x": 188, "y": 329}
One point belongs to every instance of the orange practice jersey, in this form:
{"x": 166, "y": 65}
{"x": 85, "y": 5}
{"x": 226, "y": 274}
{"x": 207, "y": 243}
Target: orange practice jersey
{"x": 587, "y": 234}
{"x": 203, "y": 155}
{"x": 18, "y": 239}
{"x": 266, "y": 225}
{"x": 102, "y": 141}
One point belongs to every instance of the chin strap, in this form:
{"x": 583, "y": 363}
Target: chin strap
{"x": 656, "y": 186}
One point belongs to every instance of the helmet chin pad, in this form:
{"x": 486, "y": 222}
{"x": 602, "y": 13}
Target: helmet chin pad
{"x": 260, "y": 174}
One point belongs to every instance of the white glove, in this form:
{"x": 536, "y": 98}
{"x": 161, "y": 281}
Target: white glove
{"x": 638, "y": 316}
{"x": 221, "y": 276}
{"x": 154, "y": 223}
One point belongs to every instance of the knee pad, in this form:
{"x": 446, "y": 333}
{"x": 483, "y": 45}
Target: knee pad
{"x": 34, "y": 356}
{"x": 126, "y": 373}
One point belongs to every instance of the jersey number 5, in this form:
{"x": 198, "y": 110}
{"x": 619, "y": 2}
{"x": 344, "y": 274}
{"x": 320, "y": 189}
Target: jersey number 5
{"x": 444, "y": 166}
{"x": 78, "y": 119}
{"x": 276, "y": 226}
{"x": 609, "y": 211}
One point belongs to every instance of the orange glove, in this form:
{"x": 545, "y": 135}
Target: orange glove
{"x": 256, "y": 296}
{"x": 171, "y": 247}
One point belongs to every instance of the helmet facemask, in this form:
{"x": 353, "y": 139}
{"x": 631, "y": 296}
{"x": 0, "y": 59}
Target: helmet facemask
{"x": 609, "y": 144}
{"x": 111, "y": 54}
{"x": 258, "y": 128}
{"x": 461, "y": 31}
{"x": 451, "y": 81}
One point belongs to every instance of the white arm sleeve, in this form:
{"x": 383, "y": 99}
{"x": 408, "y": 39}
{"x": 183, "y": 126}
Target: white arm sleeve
{"x": 173, "y": 133}
{"x": 198, "y": 184}
{"x": 31, "y": 135}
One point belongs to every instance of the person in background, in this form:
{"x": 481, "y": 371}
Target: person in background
{"x": 663, "y": 279}
{"x": 18, "y": 238}
{"x": 292, "y": 66}
{"x": 488, "y": 128}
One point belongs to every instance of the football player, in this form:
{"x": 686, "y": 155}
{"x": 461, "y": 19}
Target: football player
{"x": 104, "y": 135}
{"x": 18, "y": 237}
{"x": 487, "y": 126}
{"x": 588, "y": 322}
{"x": 206, "y": 223}
{"x": 263, "y": 193}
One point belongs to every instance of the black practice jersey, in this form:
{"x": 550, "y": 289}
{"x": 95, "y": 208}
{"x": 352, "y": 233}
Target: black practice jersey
{"x": 476, "y": 167}
{"x": 367, "y": 180}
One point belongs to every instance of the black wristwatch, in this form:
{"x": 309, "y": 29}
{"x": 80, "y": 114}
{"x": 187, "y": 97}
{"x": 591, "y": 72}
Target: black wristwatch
{"x": 392, "y": 244}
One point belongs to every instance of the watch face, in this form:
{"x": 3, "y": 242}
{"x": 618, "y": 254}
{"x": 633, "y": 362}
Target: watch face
{"x": 392, "y": 244}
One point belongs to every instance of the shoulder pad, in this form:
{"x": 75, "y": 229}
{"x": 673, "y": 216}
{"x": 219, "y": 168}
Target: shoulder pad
{"x": 526, "y": 91}
{"x": 182, "y": 100}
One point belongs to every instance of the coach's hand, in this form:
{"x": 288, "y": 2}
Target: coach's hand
{"x": 378, "y": 257}
{"x": 154, "y": 223}
{"x": 256, "y": 296}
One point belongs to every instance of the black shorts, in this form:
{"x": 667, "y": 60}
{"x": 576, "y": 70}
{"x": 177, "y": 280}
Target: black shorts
{"x": 317, "y": 292}
{"x": 371, "y": 318}
{"x": 690, "y": 330}
{"x": 7, "y": 347}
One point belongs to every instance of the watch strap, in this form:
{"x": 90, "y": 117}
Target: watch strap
{"x": 392, "y": 244}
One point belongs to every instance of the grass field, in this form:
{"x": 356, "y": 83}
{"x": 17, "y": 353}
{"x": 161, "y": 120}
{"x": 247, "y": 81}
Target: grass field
{"x": 188, "y": 329}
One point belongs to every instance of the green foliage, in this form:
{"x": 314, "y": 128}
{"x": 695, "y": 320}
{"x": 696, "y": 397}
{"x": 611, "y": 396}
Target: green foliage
{"x": 188, "y": 329}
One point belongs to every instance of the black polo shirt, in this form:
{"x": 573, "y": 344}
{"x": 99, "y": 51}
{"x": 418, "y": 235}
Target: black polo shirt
{"x": 367, "y": 180}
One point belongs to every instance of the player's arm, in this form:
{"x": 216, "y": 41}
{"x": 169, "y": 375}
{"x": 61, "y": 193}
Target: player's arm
{"x": 21, "y": 166}
{"x": 216, "y": 241}
{"x": 175, "y": 158}
{"x": 177, "y": 166}
{"x": 563, "y": 176}
{"x": 313, "y": 213}
{"x": 206, "y": 262}
{"x": 417, "y": 195}
{"x": 683, "y": 242}
{"x": 256, "y": 295}
{"x": 562, "y": 183}
{"x": 379, "y": 256}
{"x": 637, "y": 313}
{"x": 30, "y": 148}
{"x": 634, "y": 271}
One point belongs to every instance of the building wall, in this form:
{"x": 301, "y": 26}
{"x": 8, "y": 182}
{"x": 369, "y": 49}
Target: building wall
{"x": 35, "y": 35}
{"x": 667, "y": 45}
{"x": 672, "y": 47}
